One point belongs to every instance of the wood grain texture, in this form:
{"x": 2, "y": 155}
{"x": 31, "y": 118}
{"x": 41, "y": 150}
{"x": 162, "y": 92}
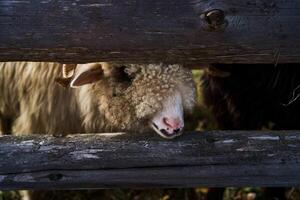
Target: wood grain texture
{"x": 254, "y": 31}
{"x": 218, "y": 158}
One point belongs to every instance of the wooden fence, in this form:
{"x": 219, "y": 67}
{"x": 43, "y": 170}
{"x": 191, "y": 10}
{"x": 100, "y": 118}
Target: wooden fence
{"x": 217, "y": 158}
{"x": 189, "y": 31}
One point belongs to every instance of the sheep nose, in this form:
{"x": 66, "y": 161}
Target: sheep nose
{"x": 173, "y": 123}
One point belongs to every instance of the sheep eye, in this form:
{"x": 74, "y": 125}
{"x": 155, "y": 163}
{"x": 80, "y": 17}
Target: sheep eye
{"x": 123, "y": 76}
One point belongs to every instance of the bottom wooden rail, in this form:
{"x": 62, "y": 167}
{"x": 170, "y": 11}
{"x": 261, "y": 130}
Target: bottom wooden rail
{"x": 216, "y": 158}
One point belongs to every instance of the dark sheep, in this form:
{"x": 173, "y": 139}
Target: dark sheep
{"x": 254, "y": 96}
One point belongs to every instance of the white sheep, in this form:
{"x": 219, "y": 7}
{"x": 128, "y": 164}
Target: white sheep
{"x": 107, "y": 98}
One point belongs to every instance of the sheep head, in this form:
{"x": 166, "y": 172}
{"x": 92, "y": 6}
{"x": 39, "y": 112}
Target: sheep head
{"x": 161, "y": 94}
{"x": 136, "y": 96}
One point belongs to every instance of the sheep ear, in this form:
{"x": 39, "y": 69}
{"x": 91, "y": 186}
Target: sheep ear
{"x": 214, "y": 71}
{"x": 86, "y": 74}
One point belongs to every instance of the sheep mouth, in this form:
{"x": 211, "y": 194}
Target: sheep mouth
{"x": 163, "y": 133}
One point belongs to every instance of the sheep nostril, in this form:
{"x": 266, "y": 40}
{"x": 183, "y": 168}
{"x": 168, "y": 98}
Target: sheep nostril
{"x": 166, "y": 121}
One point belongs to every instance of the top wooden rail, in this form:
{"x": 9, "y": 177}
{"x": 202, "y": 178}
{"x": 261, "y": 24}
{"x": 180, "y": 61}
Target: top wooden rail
{"x": 217, "y": 158}
{"x": 186, "y": 31}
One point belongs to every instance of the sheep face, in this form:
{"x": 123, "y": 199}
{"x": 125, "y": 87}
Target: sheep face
{"x": 141, "y": 97}
{"x": 161, "y": 94}
{"x": 168, "y": 122}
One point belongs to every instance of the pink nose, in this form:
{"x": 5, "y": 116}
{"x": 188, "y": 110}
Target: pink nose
{"x": 173, "y": 123}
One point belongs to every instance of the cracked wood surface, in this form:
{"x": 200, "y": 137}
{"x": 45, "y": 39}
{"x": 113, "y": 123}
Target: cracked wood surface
{"x": 252, "y": 31}
{"x": 217, "y": 158}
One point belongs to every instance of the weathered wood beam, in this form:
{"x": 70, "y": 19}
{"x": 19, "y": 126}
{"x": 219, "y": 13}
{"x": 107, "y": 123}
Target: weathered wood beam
{"x": 218, "y": 158}
{"x": 188, "y": 31}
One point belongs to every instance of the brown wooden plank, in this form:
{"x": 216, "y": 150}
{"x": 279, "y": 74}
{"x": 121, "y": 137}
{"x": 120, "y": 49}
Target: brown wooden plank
{"x": 218, "y": 158}
{"x": 253, "y": 31}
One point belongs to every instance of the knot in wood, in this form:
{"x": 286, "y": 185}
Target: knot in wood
{"x": 214, "y": 19}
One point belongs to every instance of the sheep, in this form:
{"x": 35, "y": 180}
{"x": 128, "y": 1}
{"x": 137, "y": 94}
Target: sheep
{"x": 254, "y": 97}
{"x": 101, "y": 97}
